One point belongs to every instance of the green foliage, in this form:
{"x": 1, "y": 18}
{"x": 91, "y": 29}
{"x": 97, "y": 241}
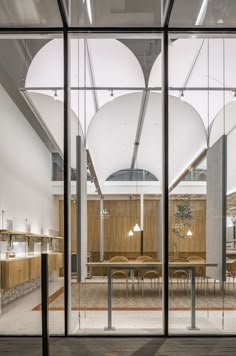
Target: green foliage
{"x": 183, "y": 217}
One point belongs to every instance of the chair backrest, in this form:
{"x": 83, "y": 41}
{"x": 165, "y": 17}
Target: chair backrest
{"x": 119, "y": 259}
{"x": 232, "y": 267}
{"x": 143, "y": 258}
{"x": 195, "y": 258}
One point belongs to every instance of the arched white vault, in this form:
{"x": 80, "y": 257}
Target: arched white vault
{"x": 112, "y": 63}
{"x": 199, "y": 62}
{"x": 111, "y": 136}
{"x": 111, "y": 126}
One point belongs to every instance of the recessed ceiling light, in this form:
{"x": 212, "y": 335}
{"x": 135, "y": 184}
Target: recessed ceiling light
{"x": 220, "y": 21}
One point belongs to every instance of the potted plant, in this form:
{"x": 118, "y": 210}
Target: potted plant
{"x": 183, "y": 216}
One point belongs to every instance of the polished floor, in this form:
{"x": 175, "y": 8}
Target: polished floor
{"x": 19, "y": 318}
{"x": 138, "y": 346}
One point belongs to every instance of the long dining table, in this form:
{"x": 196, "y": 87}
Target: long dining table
{"x": 138, "y": 265}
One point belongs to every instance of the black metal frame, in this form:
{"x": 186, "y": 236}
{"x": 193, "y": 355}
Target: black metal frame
{"x": 66, "y": 30}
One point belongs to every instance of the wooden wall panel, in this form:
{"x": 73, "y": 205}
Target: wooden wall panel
{"x": 122, "y": 218}
{"x": 197, "y": 243}
{"x": 93, "y": 225}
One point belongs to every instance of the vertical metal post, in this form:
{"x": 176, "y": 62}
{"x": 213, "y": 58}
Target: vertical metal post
{"x": 67, "y": 181}
{"x": 165, "y": 180}
{"x": 101, "y": 231}
{"x": 109, "y": 301}
{"x": 193, "y": 308}
{"x": 44, "y": 302}
{"x": 141, "y": 222}
{"x": 78, "y": 208}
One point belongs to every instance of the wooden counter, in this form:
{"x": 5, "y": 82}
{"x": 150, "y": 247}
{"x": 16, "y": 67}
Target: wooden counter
{"x": 16, "y": 271}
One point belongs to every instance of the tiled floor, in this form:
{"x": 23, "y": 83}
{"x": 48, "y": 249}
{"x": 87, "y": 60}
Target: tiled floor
{"x": 18, "y": 319}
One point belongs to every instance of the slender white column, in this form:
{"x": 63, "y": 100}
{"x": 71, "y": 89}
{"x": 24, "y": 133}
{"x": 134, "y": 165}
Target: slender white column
{"x": 141, "y": 210}
{"x": 101, "y": 231}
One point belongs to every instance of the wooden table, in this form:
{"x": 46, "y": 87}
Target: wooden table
{"x": 132, "y": 265}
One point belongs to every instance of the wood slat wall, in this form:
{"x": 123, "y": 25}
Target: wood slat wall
{"x": 197, "y": 243}
{"x": 123, "y": 216}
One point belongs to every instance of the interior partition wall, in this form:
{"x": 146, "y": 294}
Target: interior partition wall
{"x": 213, "y": 20}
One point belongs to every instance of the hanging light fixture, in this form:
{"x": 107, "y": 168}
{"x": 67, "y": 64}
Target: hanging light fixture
{"x": 130, "y": 233}
{"x": 189, "y": 233}
{"x": 182, "y": 95}
{"x": 136, "y": 227}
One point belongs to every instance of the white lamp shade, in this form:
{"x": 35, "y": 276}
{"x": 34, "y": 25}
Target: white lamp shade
{"x": 136, "y": 228}
{"x": 189, "y": 233}
{"x": 130, "y": 233}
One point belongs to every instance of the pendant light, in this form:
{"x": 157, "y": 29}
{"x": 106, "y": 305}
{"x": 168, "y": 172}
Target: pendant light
{"x": 136, "y": 227}
{"x": 189, "y": 233}
{"x": 130, "y": 233}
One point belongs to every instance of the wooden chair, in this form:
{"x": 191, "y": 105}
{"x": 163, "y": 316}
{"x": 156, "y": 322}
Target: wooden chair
{"x": 153, "y": 275}
{"x": 120, "y": 274}
{"x": 231, "y": 271}
{"x": 138, "y": 273}
{"x": 181, "y": 275}
{"x": 200, "y": 272}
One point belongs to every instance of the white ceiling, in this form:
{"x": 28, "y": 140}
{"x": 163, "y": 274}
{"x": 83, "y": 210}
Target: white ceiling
{"x": 111, "y": 130}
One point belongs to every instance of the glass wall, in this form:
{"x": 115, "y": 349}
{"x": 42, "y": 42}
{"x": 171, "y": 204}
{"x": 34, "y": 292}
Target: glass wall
{"x": 116, "y": 116}
{"x": 115, "y": 161}
{"x": 201, "y": 130}
{"x": 31, "y": 135}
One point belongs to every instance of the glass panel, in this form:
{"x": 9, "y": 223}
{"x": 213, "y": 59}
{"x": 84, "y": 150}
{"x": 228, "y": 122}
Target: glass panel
{"x": 116, "y": 13}
{"x": 29, "y": 202}
{"x": 123, "y": 193}
{"x": 201, "y": 114}
{"x": 204, "y": 13}
{"x": 29, "y": 13}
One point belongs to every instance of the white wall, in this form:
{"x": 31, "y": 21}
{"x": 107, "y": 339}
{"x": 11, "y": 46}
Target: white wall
{"x": 25, "y": 172}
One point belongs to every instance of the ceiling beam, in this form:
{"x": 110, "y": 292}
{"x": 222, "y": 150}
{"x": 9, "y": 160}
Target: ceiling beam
{"x": 92, "y": 77}
{"x": 142, "y": 114}
{"x": 93, "y": 174}
{"x": 192, "y": 67}
{"x": 166, "y": 11}
{"x": 192, "y": 165}
{"x": 40, "y": 127}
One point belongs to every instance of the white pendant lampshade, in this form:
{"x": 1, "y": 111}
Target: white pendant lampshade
{"x": 189, "y": 233}
{"x": 130, "y": 233}
{"x": 136, "y": 228}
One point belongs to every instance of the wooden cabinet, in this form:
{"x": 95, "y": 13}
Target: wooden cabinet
{"x": 14, "y": 273}
{"x": 59, "y": 263}
{"x": 35, "y": 267}
{"x": 51, "y": 263}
